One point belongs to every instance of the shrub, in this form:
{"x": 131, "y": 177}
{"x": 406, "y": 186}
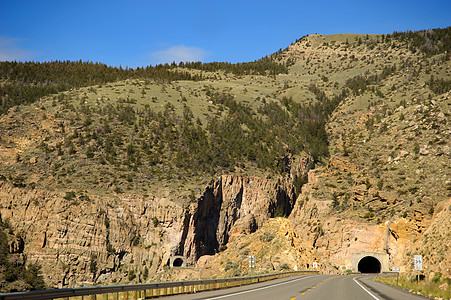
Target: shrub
{"x": 436, "y": 277}
{"x": 70, "y": 195}
{"x": 285, "y": 266}
{"x": 266, "y": 236}
{"x": 229, "y": 266}
{"x": 145, "y": 273}
{"x": 131, "y": 275}
{"x": 246, "y": 252}
{"x": 110, "y": 249}
{"x": 93, "y": 264}
{"x": 33, "y": 276}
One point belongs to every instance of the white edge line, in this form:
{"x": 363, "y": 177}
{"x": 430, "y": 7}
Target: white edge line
{"x": 365, "y": 289}
{"x": 262, "y": 288}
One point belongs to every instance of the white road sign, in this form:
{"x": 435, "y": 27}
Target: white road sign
{"x": 315, "y": 265}
{"x": 251, "y": 259}
{"x": 395, "y": 269}
{"x": 418, "y": 261}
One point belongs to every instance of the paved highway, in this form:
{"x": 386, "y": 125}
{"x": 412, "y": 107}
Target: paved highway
{"x": 305, "y": 287}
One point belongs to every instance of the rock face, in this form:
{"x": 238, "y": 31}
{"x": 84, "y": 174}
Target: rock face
{"x": 86, "y": 241}
{"x": 385, "y": 187}
{"x": 359, "y": 201}
{"x": 275, "y": 245}
{"x": 101, "y": 239}
{"x": 235, "y": 203}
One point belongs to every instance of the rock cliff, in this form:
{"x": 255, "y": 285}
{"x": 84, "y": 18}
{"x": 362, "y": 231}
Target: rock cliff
{"x": 87, "y": 240}
{"x": 84, "y": 238}
{"x": 385, "y": 188}
{"x": 246, "y": 202}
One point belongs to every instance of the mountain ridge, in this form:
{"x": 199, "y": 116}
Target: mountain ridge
{"x": 115, "y": 171}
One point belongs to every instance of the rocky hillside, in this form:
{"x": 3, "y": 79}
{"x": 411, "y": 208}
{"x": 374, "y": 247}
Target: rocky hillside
{"x": 104, "y": 183}
{"x": 344, "y": 149}
{"x": 386, "y": 186}
{"x": 388, "y": 177}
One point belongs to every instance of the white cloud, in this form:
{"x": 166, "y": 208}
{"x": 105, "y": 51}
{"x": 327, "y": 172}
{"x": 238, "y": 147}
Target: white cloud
{"x": 178, "y": 54}
{"x": 9, "y": 50}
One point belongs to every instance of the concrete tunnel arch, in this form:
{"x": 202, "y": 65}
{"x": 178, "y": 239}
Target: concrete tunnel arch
{"x": 177, "y": 261}
{"x": 369, "y": 264}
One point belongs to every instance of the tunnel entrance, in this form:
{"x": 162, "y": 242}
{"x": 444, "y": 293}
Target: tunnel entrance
{"x": 178, "y": 262}
{"x": 369, "y": 264}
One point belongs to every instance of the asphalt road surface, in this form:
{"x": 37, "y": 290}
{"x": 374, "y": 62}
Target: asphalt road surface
{"x": 327, "y": 287}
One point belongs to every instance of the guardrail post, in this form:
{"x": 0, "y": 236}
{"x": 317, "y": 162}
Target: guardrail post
{"x": 147, "y": 293}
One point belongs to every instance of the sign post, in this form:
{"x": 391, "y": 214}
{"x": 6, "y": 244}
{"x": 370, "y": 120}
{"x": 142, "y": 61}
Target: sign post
{"x": 251, "y": 259}
{"x": 418, "y": 262}
{"x": 396, "y": 269}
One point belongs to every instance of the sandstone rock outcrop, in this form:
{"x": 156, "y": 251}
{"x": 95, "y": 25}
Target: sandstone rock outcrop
{"x": 88, "y": 240}
{"x": 83, "y": 238}
{"x": 235, "y": 203}
{"x": 275, "y": 245}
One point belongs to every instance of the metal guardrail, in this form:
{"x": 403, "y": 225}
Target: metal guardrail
{"x": 386, "y": 274}
{"x": 145, "y": 290}
{"x": 353, "y": 273}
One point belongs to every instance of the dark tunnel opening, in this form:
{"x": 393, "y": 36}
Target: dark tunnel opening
{"x": 369, "y": 264}
{"x": 178, "y": 262}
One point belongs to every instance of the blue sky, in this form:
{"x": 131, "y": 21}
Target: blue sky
{"x": 138, "y": 33}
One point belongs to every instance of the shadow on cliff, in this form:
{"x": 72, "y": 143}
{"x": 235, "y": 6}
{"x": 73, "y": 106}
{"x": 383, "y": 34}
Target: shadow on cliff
{"x": 232, "y": 200}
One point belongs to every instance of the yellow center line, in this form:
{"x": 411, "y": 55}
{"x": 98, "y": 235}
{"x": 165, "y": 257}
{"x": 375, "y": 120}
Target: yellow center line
{"x": 293, "y": 299}
{"x": 316, "y": 285}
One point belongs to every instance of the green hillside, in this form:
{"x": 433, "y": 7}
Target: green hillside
{"x": 372, "y": 111}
